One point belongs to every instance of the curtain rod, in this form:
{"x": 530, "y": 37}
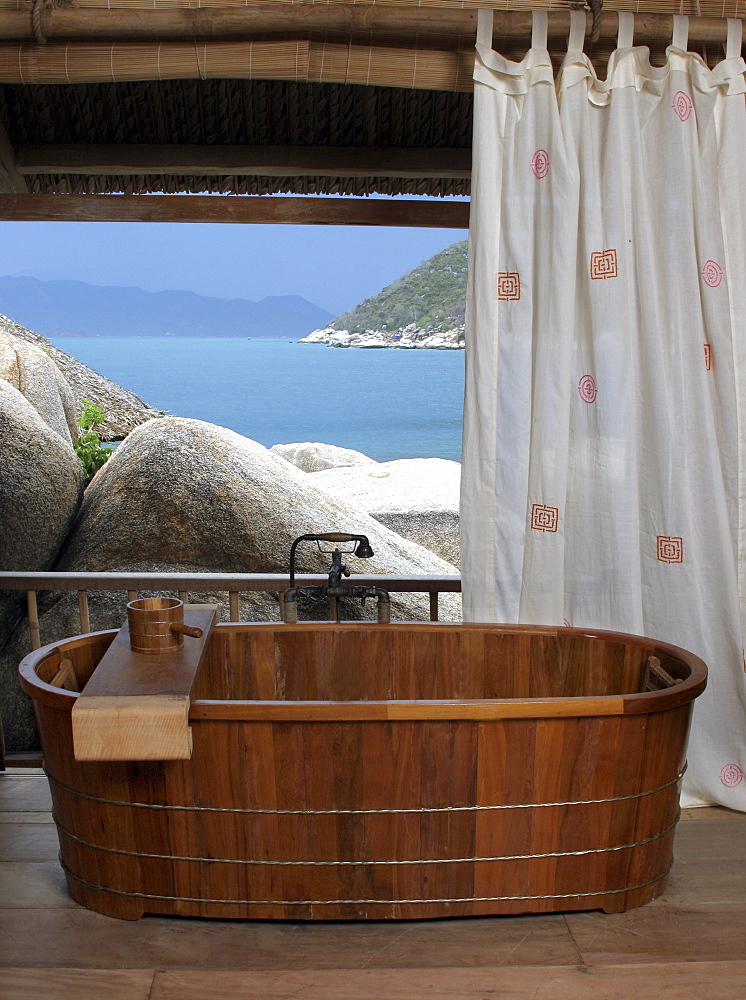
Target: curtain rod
{"x": 434, "y": 26}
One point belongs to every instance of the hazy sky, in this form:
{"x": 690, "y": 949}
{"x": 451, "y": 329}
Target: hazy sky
{"x": 333, "y": 266}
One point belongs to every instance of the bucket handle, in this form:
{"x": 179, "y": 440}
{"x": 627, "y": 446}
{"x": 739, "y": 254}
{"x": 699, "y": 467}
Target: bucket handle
{"x": 195, "y": 633}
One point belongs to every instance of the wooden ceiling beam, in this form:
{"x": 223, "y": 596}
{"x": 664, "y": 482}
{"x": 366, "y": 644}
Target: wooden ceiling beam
{"x": 234, "y": 209}
{"x": 241, "y": 161}
{"x": 451, "y": 24}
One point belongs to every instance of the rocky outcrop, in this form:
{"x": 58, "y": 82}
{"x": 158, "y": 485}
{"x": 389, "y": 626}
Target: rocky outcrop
{"x": 409, "y": 338}
{"x": 41, "y": 482}
{"x": 312, "y": 456}
{"x": 35, "y": 375}
{"x": 417, "y": 498}
{"x": 124, "y": 410}
{"x": 184, "y": 494}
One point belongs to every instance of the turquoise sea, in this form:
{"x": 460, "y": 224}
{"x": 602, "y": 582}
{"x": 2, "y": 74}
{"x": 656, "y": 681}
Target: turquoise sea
{"x": 388, "y": 404}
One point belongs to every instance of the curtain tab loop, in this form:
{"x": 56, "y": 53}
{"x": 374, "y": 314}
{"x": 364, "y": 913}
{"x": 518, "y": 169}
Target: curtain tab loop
{"x": 735, "y": 38}
{"x": 680, "y": 38}
{"x": 539, "y": 29}
{"x": 577, "y": 32}
{"x": 484, "y": 27}
{"x": 625, "y": 38}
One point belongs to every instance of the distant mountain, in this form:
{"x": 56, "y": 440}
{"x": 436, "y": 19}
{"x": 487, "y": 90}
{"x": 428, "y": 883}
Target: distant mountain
{"x": 433, "y": 297}
{"x": 74, "y": 308}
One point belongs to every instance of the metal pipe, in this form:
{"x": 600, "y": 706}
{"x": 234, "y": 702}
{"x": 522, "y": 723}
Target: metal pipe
{"x": 383, "y": 607}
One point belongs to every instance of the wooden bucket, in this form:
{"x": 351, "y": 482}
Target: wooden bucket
{"x": 156, "y": 625}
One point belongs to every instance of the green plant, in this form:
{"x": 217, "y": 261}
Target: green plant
{"x": 88, "y": 446}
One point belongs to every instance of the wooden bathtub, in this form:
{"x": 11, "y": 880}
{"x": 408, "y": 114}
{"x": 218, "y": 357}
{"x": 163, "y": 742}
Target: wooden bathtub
{"x": 360, "y": 771}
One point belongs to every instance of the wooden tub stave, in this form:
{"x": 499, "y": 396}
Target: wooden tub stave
{"x": 297, "y": 806}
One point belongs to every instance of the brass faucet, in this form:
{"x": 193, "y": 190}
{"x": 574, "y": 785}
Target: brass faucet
{"x": 337, "y": 570}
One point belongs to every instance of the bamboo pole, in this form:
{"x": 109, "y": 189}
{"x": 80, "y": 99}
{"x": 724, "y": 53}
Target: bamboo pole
{"x": 305, "y": 61}
{"x": 421, "y": 61}
{"x": 89, "y": 22}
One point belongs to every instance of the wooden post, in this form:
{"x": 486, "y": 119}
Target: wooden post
{"x": 233, "y": 602}
{"x": 85, "y": 620}
{"x": 33, "y": 619}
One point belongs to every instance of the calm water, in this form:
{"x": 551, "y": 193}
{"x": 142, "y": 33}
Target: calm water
{"x": 387, "y": 404}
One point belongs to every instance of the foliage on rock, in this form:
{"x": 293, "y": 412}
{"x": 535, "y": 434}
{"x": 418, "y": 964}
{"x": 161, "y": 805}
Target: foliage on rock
{"x": 124, "y": 410}
{"x": 88, "y": 446}
{"x": 433, "y": 296}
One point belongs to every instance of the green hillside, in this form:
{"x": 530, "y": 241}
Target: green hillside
{"x": 433, "y": 296}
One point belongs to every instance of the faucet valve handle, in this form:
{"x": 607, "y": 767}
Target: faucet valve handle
{"x": 365, "y": 593}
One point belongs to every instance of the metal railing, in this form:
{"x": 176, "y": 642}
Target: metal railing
{"x": 182, "y": 584}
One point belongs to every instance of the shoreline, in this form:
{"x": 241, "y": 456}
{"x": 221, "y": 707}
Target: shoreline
{"x": 411, "y": 338}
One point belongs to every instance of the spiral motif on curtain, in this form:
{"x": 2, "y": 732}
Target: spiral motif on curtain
{"x": 588, "y": 389}
{"x": 731, "y": 775}
{"x": 540, "y": 163}
{"x": 682, "y": 105}
{"x": 712, "y": 273}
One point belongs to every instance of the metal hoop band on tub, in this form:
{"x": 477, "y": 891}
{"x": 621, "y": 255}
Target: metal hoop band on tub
{"x": 365, "y": 864}
{"x": 381, "y": 902}
{"x": 363, "y": 812}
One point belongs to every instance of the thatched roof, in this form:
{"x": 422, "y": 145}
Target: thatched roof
{"x": 266, "y": 97}
{"x": 230, "y": 114}
{"x": 124, "y": 410}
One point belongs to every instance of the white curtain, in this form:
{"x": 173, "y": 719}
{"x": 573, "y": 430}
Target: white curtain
{"x": 603, "y": 479}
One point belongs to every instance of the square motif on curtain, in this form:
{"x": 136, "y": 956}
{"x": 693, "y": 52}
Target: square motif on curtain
{"x": 508, "y": 285}
{"x": 670, "y": 549}
{"x": 544, "y": 518}
{"x": 604, "y": 264}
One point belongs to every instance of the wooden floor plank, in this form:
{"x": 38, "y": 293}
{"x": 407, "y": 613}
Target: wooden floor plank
{"x": 76, "y": 984}
{"x": 710, "y": 813}
{"x": 33, "y": 885}
{"x": 714, "y": 839}
{"x": 661, "y": 933}
{"x": 28, "y": 842}
{"x": 710, "y": 859}
{"x": 709, "y": 981}
{"x": 52, "y": 938}
{"x": 44, "y": 818}
{"x": 698, "y": 880}
{"x": 24, "y": 792}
